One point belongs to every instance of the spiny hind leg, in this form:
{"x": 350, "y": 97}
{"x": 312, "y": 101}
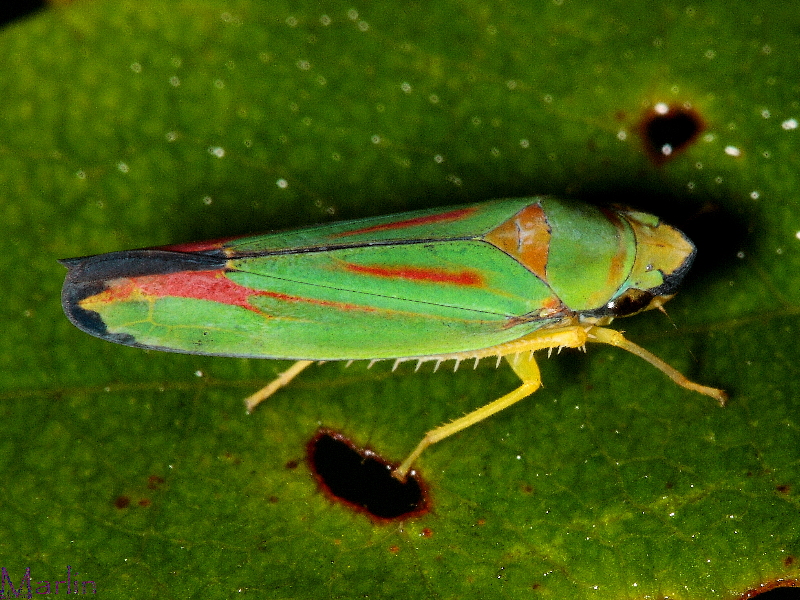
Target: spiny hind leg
{"x": 281, "y": 380}
{"x": 528, "y": 371}
{"x": 519, "y": 355}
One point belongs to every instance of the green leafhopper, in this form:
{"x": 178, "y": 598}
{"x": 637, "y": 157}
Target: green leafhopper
{"x": 497, "y": 279}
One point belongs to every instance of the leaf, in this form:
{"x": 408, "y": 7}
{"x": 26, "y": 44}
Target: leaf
{"x": 137, "y": 124}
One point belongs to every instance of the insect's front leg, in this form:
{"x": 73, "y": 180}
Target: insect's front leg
{"x": 603, "y": 335}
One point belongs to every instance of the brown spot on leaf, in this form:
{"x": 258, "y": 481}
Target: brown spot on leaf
{"x": 154, "y": 482}
{"x": 667, "y": 130}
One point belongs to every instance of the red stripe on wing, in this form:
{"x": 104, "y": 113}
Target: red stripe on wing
{"x": 470, "y": 278}
{"x": 213, "y": 286}
{"x": 453, "y": 215}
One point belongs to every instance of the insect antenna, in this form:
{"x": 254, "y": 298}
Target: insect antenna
{"x": 660, "y": 308}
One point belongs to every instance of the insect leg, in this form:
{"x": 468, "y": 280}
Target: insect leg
{"x": 281, "y": 380}
{"x": 528, "y": 371}
{"x": 615, "y": 338}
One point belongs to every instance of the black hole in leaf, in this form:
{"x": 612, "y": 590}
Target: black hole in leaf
{"x": 362, "y": 480}
{"x": 778, "y": 593}
{"x": 667, "y": 130}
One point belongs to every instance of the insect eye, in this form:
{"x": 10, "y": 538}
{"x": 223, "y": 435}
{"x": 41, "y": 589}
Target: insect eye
{"x": 630, "y": 303}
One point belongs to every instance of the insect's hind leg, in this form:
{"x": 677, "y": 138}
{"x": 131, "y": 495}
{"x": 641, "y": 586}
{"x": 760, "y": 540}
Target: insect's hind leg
{"x": 281, "y": 380}
{"x": 524, "y": 366}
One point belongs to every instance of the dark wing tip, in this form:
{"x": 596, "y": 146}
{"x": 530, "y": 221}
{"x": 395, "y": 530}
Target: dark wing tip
{"x": 89, "y": 275}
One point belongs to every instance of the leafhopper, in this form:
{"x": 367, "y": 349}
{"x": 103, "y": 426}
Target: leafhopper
{"x": 500, "y": 279}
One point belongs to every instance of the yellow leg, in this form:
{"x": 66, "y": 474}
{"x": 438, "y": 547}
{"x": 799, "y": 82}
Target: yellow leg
{"x": 615, "y": 338}
{"x": 519, "y": 355}
{"x": 252, "y": 401}
{"x": 528, "y": 371}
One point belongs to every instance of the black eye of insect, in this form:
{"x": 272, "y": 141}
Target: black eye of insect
{"x": 630, "y": 303}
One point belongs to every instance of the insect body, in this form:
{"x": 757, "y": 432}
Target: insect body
{"x": 501, "y": 278}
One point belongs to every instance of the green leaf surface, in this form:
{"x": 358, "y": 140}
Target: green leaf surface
{"x": 136, "y": 124}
